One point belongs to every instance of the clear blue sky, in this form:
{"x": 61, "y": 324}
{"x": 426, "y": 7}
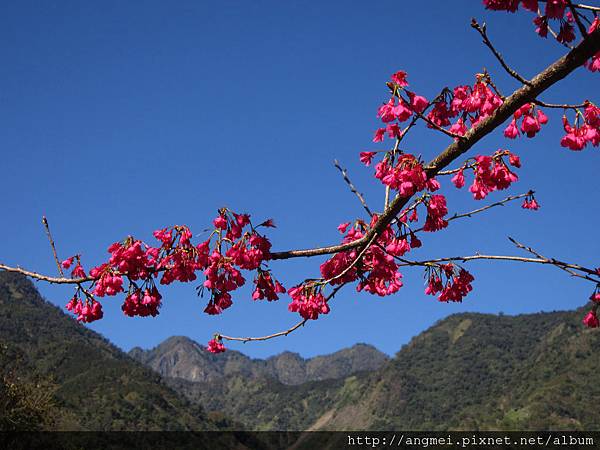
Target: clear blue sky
{"x": 123, "y": 117}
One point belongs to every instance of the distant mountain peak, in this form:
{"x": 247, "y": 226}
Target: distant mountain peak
{"x": 181, "y": 357}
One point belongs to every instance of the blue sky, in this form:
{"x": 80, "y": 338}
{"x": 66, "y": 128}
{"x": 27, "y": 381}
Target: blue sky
{"x": 122, "y": 117}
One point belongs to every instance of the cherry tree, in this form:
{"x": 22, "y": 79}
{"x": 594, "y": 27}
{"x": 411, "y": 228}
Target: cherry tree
{"x": 374, "y": 251}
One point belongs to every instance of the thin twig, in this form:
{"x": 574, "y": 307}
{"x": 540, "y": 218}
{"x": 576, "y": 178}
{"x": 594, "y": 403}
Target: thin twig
{"x": 47, "y": 227}
{"x": 562, "y": 265}
{"x": 492, "y": 84}
{"x": 482, "y": 31}
{"x": 458, "y": 169}
{"x": 483, "y": 208}
{"x": 541, "y": 260}
{"x": 344, "y": 173}
{"x": 491, "y": 205}
{"x": 431, "y": 123}
{"x": 561, "y": 106}
{"x": 280, "y": 333}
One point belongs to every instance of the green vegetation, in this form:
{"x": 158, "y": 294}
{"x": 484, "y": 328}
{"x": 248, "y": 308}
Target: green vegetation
{"x": 477, "y": 371}
{"x": 68, "y": 377}
{"x": 467, "y": 372}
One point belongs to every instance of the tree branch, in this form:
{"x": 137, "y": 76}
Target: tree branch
{"x": 562, "y": 265}
{"x": 561, "y": 106}
{"x": 344, "y": 173}
{"x": 39, "y": 276}
{"x": 527, "y": 93}
{"x": 280, "y": 333}
{"x": 47, "y": 227}
{"x": 482, "y": 31}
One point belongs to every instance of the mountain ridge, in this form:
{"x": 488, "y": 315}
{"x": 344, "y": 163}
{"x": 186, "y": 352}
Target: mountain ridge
{"x": 468, "y": 371}
{"x": 181, "y": 357}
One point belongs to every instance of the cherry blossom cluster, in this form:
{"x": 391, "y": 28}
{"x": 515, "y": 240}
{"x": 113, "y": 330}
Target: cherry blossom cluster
{"x": 594, "y": 63}
{"x": 584, "y": 130}
{"x": 554, "y": 10}
{"x": 86, "y": 311}
{"x": 142, "y": 302}
{"x": 532, "y": 119}
{"x": 376, "y": 270}
{"x": 234, "y": 245}
{"x": 405, "y": 174}
{"x": 471, "y": 104}
{"x": 245, "y": 250}
{"x": 375, "y": 267}
{"x": 450, "y": 281}
{"x": 491, "y": 173}
{"x": 393, "y": 113}
{"x": 436, "y": 210}
{"x": 591, "y": 318}
{"x": 215, "y": 345}
{"x": 77, "y": 271}
{"x": 530, "y": 202}
{"x": 266, "y": 287}
{"x": 308, "y": 301}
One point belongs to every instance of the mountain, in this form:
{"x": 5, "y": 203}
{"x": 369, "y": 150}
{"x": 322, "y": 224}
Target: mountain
{"x": 467, "y": 372}
{"x": 180, "y": 357}
{"x": 50, "y": 365}
{"x": 480, "y": 371}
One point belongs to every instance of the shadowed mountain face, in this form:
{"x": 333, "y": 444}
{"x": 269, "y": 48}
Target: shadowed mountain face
{"x": 180, "y": 357}
{"x": 468, "y": 371}
{"x": 92, "y": 385}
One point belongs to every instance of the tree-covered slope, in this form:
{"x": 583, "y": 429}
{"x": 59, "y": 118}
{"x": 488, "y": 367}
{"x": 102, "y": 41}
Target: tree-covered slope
{"x": 468, "y": 371}
{"x": 95, "y": 385}
{"x": 476, "y": 371}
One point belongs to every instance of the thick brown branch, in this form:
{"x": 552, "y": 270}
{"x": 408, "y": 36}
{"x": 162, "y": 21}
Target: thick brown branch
{"x": 527, "y": 93}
